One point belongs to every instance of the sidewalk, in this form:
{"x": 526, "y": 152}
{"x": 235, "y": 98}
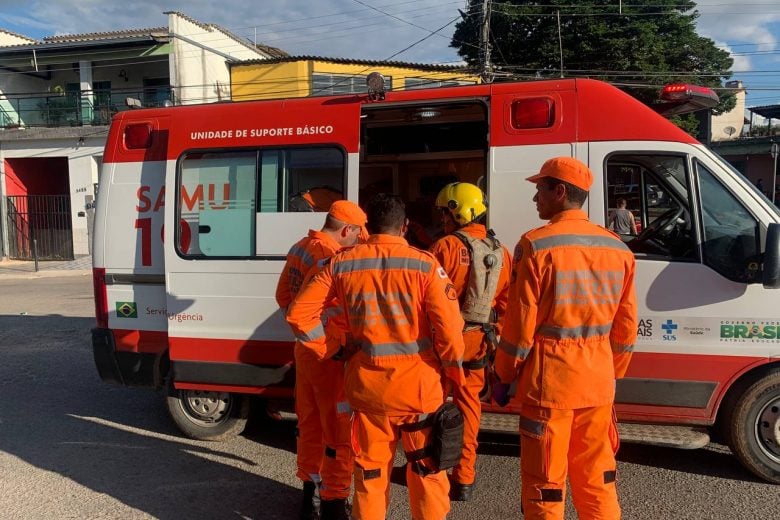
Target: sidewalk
{"x": 26, "y": 269}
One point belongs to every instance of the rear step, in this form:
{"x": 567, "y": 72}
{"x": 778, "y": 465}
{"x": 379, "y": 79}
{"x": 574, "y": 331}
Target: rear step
{"x": 684, "y": 437}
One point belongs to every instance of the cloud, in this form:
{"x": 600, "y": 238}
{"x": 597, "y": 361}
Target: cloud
{"x": 741, "y": 28}
{"x": 740, "y": 62}
{"x": 336, "y": 28}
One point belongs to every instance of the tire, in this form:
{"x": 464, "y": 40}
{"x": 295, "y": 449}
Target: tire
{"x": 754, "y": 427}
{"x": 207, "y": 416}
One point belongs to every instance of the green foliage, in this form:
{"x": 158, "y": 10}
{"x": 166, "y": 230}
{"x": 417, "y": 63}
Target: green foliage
{"x": 687, "y": 122}
{"x": 650, "y": 45}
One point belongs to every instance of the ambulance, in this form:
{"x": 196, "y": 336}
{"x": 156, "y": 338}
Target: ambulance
{"x": 198, "y": 206}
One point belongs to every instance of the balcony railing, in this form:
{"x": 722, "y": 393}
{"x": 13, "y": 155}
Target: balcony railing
{"x": 73, "y": 109}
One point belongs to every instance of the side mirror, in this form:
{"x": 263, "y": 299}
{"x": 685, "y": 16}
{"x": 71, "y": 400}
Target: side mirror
{"x": 771, "y": 268}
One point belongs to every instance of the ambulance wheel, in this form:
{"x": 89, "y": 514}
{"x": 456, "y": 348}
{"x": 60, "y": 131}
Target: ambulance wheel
{"x": 207, "y": 416}
{"x": 755, "y": 427}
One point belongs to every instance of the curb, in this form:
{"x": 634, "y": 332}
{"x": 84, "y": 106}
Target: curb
{"x": 30, "y": 275}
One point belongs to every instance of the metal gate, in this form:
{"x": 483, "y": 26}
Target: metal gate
{"x": 42, "y": 223}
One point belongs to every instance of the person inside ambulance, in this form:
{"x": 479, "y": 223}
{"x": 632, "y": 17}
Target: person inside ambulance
{"x": 405, "y": 329}
{"x": 567, "y": 335}
{"x": 324, "y": 454}
{"x": 479, "y": 267}
{"x": 319, "y": 198}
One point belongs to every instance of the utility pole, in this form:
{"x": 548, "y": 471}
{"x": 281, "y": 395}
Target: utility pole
{"x": 487, "y": 67}
{"x": 560, "y": 40}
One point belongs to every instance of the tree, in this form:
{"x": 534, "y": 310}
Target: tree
{"x": 649, "y": 45}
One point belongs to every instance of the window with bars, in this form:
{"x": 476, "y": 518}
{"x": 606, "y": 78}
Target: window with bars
{"x": 421, "y": 83}
{"x": 333, "y": 84}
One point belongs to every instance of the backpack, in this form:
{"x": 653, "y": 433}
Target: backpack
{"x": 487, "y": 258}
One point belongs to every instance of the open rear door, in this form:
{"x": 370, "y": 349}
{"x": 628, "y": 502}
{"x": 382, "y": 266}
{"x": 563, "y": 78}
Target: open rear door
{"x": 233, "y": 208}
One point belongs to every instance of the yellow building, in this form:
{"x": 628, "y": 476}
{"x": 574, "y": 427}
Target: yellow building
{"x": 301, "y": 76}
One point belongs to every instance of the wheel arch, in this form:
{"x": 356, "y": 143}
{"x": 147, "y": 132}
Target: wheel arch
{"x": 737, "y": 386}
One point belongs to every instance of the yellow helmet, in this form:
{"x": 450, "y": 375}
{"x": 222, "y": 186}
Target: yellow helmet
{"x": 463, "y": 200}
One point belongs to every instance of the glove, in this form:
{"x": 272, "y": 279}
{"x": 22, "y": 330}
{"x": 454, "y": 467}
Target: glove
{"x": 345, "y": 352}
{"x": 501, "y": 393}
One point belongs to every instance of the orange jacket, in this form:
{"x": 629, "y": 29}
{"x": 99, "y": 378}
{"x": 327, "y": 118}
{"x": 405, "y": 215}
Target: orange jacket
{"x": 402, "y": 316}
{"x": 571, "y": 321}
{"x": 303, "y": 260}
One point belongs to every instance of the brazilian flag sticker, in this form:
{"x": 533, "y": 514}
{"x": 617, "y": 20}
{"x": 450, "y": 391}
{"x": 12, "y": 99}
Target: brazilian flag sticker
{"x": 126, "y": 310}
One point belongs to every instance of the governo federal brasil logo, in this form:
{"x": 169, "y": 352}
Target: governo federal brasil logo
{"x": 746, "y": 330}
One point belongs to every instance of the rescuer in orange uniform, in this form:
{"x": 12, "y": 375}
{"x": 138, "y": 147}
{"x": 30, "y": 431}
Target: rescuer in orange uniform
{"x": 405, "y": 331}
{"x": 568, "y": 334}
{"x": 324, "y": 452}
{"x": 479, "y": 267}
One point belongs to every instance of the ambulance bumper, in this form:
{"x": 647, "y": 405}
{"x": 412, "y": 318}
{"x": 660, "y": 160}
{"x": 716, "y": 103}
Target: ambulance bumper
{"x": 123, "y": 368}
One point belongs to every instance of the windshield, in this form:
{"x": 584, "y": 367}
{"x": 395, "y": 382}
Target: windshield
{"x": 755, "y": 190}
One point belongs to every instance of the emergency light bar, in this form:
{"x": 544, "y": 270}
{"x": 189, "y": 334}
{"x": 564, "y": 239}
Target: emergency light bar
{"x": 682, "y": 98}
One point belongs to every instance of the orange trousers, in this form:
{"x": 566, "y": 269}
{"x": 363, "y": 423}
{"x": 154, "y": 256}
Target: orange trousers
{"x": 466, "y": 397}
{"x": 554, "y": 441}
{"x": 324, "y": 450}
{"x": 375, "y": 438}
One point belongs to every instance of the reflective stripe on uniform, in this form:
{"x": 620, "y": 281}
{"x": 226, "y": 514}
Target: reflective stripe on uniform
{"x": 515, "y": 351}
{"x": 577, "y": 240}
{"x": 301, "y": 253}
{"x": 395, "y": 349}
{"x": 318, "y": 332}
{"x": 621, "y": 349}
{"x": 583, "y": 331}
{"x": 380, "y": 264}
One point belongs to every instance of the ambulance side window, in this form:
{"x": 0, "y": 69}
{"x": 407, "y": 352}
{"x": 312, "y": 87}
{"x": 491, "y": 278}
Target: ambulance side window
{"x": 221, "y": 194}
{"x": 731, "y": 233}
{"x": 655, "y": 189}
{"x": 217, "y": 204}
{"x": 300, "y": 179}
{"x": 315, "y": 178}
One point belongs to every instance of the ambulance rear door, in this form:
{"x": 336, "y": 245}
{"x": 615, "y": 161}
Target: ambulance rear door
{"x": 239, "y": 195}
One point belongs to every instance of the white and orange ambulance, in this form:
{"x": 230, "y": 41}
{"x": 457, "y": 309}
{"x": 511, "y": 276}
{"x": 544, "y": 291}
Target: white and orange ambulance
{"x": 198, "y": 206}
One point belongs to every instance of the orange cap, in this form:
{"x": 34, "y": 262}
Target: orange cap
{"x": 567, "y": 169}
{"x": 350, "y": 213}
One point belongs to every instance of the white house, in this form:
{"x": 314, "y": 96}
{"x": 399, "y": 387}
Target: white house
{"x": 57, "y": 97}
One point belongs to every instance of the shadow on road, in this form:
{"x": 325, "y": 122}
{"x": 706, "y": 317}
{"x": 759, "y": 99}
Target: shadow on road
{"x": 709, "y": 461}
{"x": 712, "y": 461}
{"x": 58, "y": 416}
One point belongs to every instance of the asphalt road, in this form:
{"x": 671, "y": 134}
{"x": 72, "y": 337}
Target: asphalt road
{"x": 72, "y": 446}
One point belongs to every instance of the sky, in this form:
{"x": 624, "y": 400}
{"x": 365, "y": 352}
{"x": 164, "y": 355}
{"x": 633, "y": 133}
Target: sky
{"x": 379, "y": 29}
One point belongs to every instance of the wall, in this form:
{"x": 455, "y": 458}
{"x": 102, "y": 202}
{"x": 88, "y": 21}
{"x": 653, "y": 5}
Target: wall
{"x": 293, "y": 79}
{"x": 36, "y": 176}
{"x": 8, "y": 40}
{"x": 198, "y": 74}
{"x": 82, "y": 166}
{"x": 11, "y": 84}
{"x": 274, "y": 80}
{"x": 135, "y": 74}
{"x": 734, "y": 118}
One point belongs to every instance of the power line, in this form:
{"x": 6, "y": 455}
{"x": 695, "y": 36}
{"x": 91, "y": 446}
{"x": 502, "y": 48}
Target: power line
{"x": 412, "y": 24}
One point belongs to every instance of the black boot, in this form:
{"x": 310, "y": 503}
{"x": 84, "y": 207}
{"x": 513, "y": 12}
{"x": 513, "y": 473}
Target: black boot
{"x": 310, "y": 507}
{"x": 335, "y": 509}
{"x": 461, "y": 492}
